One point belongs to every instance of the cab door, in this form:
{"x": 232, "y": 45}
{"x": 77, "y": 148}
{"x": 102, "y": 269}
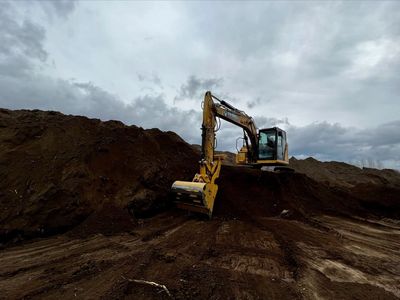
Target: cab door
{"x": 281, "y": 142}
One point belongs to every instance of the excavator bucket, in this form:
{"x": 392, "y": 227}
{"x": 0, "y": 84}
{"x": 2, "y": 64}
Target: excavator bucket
{"x": 195, "y": 196}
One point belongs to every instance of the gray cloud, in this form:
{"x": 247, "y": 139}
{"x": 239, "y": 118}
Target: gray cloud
{"x": 312, "y": 62}
{"x": 335, "y": 142}
{"x": 146, "y": 111}
{"x": 153, "y": 78}
{"x": 196, "y": 86}
{"x": 264, "y": 122}
{"x": 253, "y": 103}
{"x": 21, "y": 44}
{"x": 334, "y": 56}
{"x": 92, "y": 101}
{"x": 23, "y": 86}
{"x": 59, "y": 8}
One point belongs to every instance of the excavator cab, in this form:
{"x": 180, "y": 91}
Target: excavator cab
{"x": 272, "y": 149}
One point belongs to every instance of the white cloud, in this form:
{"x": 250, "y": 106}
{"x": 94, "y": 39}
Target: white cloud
{"x": 375, "y": 58}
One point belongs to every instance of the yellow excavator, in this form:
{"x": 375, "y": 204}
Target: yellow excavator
{"x": 266, "y": 147}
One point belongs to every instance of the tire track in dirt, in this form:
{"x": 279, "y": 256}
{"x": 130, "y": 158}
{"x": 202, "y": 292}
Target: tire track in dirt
{"x": 198, "y": 259}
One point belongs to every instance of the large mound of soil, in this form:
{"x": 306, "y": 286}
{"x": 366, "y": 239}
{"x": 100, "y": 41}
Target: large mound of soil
{"x": 317, "y": 233}
{"x": 55, "y": 170}
{"x": 336, "y": 173}
{"x": 245, "y": 193}
{"x": 59, "y": 171}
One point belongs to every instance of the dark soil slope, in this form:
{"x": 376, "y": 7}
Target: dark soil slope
{"x": 245, "y": 193}
{"x": 372, "y": 190}
{"x": 55, "y": 170}
{"x": 58, "y": 171}
{"x": 341, "y": 174}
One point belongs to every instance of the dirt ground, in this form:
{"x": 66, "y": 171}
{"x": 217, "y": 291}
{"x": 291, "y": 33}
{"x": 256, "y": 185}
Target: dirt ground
{"x": 261, "y": 258}
{"x": 85, "y": 212}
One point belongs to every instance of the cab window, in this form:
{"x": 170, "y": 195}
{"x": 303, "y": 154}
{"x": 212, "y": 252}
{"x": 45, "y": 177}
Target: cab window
{"x": 266, "y": 145}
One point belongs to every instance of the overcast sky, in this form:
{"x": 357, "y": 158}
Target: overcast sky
{"x": 327, "y": 72}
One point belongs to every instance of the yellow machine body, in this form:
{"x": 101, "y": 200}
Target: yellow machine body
{"x": 199, "y": 194}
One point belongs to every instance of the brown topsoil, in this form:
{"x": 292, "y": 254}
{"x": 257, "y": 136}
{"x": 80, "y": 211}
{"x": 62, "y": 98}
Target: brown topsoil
{"x": 86, "y": 211}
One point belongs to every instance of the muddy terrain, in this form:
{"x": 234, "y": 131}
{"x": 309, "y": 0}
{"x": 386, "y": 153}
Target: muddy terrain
{"x": 85, "y": 212}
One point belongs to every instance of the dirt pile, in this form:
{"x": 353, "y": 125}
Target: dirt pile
{"x": 55, "y": 170}
{"x": 376, "y": 191}
{"x": 58, "y": 170}
{"x": 336, "y": 173}
{"x": 273, "y": 235}
{"x": 245, "y": 193}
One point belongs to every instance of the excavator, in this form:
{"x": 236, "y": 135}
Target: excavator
{"x": 265, "y": 147}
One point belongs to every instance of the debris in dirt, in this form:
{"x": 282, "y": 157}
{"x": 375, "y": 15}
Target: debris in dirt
{"x": 284, "y": 213}
{"x": 161, "y": 286}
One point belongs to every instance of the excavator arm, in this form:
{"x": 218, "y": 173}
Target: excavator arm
{"x": 235, "y": 116}
{"x": 199, "y": 195}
